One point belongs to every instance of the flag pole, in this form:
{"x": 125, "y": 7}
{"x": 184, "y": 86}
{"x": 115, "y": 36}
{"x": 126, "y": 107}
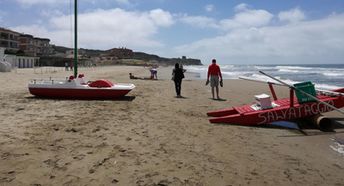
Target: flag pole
{"x": 75, "y": 38}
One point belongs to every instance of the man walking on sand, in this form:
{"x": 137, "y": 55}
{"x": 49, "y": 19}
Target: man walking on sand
{"x": 214, "y": 73}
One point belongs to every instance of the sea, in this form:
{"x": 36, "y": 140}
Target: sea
{"x": 324, "y": 76}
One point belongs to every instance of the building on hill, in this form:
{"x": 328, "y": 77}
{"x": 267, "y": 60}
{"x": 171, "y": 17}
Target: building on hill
{"x": 70, "y": 54}
{"x": 119, "y": 53}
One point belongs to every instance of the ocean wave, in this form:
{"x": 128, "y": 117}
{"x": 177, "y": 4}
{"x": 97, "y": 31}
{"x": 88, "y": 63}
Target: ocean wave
{"x": 265, "y": 78}
{"x": 294, "y": 67}
{"x": 292, "y": 82}
{"x": 196, "y": 68}
{"x": 333, "y": 74}
{"x": 235, "y": 75}
{"x": 224, "y": 67}
{"x": 326, "y": 86}
{"x": 288, "y": 70}
{"x": 264, "y": 67}
{"x": 323, "y": 78}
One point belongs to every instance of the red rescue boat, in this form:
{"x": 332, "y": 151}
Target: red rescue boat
{"x": 250, "y": 115}
{"x": 281, "y": 109}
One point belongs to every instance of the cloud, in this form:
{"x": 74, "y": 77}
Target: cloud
{"x": 54, "y": 3}
{"x": 125, "y": 2}
{"x": 50, "y": 13}
{"x": 199, "y": 21}
{"x": 161, "y": 17}
{"x": 293, "y": 15}
{"x": 247, "y": 18}
{"x": 33, "y": 2}
{"x": 209, "y": 8}
{"x": 241, "y": 7}
{"x": 36, "y": 30}
{"x": 104, "y": 29}
{"x": 244, "y": 18}
{"x": 2, "y": 15}
{"x": 247, "y": 37}
{"x": 317, "y": 41}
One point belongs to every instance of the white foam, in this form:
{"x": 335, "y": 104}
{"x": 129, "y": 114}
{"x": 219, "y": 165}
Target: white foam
{"x": 326, "y": 87}
{"x": 234, "y": 75}
{"x": 333, "y": 74}
{"x": 338, "y": 147}
{"x": 265, "y": 78}
{"x": 288, "y": 70}
{"x": 264, "y": 67}
{"x": 224, "y": 67}
{"x": 294, "y": 67}
{"x": 291, "y": 82}
{"x": 196, "y": 68}
{"x": 261, "y": 77}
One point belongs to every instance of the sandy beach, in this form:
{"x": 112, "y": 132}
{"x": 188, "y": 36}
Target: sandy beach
{"x": 153, "y": 138}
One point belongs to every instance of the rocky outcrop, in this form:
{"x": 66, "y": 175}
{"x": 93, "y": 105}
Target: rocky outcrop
{"x": 166, "y": 61}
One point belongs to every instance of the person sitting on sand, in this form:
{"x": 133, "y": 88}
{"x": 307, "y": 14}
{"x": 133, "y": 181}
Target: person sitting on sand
{"x": 131, "y": 76}
{"x": 154, "y": 73}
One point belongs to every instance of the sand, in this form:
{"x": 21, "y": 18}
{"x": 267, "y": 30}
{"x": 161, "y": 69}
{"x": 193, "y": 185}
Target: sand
{"x": 153, "y": 138}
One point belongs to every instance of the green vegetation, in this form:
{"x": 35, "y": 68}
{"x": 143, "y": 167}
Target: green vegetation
{"x": 115, "y": 56}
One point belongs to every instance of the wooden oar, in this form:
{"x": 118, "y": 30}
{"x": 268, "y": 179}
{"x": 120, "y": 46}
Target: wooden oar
{"x": 329, "y": 92}
{"x": 303, "y": 92}
{"x": 277, "y": 83}
{"x": 260, "y": 81}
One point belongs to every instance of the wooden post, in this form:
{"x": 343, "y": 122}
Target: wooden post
{"x": 272, "y": 90}
{"x": 291, "y": 92}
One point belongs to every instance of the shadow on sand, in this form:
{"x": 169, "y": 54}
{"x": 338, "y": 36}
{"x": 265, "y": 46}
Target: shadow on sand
{"x": 181, "y": 97}
{"x": 301, "y": 127}
{"x": 220, "y": 99}
{"x": 124, "y": 98}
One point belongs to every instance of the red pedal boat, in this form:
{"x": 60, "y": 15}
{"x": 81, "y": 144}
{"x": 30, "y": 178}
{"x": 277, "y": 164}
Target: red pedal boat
{"x": 77, "y": 88}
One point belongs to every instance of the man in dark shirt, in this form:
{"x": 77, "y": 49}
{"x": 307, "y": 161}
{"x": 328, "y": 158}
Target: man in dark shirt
{"x": 177, "y": 76}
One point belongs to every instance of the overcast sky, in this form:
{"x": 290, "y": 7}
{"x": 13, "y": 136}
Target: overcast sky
{"x": 233, "y": 32}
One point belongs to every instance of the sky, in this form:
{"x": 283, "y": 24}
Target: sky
{"x": 231, "y": 31}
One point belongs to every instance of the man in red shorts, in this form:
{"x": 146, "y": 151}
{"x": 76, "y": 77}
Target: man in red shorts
{"x": 215, "y": 75}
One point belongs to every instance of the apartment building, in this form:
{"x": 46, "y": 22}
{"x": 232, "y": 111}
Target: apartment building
{"x": 26, "y": 44}
{"x": 34, "y": 46}
{"x": 30, "y": 45}
{"x": 42, "y": 46}
{"x": 9, "y": 39}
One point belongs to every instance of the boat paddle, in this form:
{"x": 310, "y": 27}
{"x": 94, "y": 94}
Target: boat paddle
{"x": 303, "y": 92}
